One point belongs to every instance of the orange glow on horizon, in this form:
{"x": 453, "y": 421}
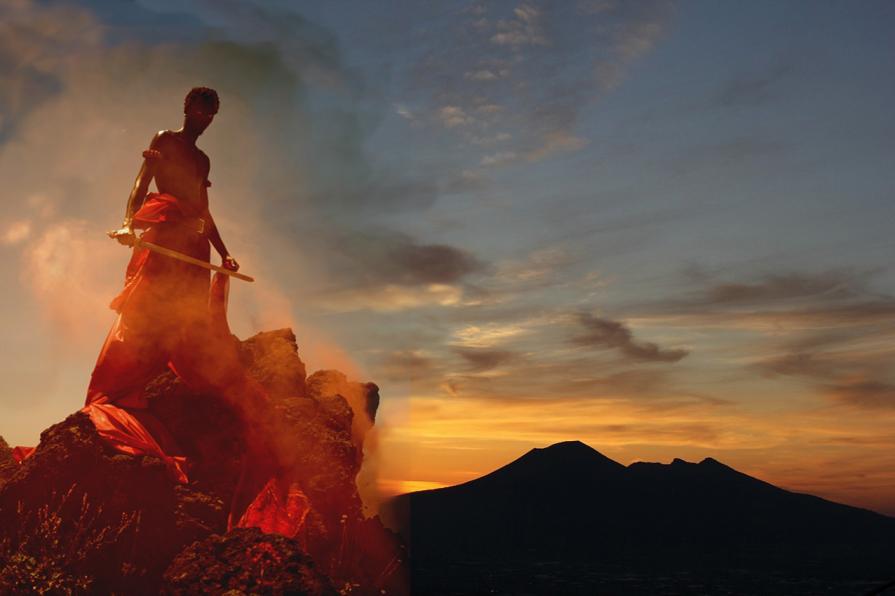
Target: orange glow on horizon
{"x": 451, "y": 440}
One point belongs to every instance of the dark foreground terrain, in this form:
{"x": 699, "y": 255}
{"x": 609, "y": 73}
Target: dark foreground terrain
{"x": 580, "y": 579}
{"x": 80, "y": 518}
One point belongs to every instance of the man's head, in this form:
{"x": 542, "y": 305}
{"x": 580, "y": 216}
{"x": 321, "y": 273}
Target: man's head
{"x": 199, "y": 108}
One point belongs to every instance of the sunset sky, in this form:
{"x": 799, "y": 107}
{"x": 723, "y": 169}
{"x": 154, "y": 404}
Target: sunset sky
{"x": 661, "y": 228}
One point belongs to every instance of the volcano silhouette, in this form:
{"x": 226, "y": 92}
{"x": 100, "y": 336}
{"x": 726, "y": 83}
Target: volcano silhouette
{"x": 569, "y": 503}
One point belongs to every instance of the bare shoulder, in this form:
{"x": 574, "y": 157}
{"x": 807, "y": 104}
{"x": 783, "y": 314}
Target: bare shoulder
{"x": 160, "y": 137}
{"x": 155, "y": 146}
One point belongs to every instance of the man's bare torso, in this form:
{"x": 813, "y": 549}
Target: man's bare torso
{"x": 181, "y": 169}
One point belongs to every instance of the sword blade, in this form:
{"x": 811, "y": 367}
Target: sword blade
{"x": 188, "y": 259}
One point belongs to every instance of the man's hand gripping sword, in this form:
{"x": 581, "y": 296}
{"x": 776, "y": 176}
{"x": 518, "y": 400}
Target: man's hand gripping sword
{"x": 127, "y": 237}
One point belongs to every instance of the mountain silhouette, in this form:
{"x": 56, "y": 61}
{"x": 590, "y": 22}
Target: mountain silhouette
{"x": 569, "y": 503}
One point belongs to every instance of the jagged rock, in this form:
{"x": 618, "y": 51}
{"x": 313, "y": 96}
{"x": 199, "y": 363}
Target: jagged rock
{"x": 8, "y": 465}
{"x": 363, "y": 398}
{"x": 78, "y": 509}
{"x": 82, "y": 517}
{"x": 372, "y": 393}
{"x": 271, "y": 358}
{"x": 209, "y": 432}
{"x": 245, "y": 561}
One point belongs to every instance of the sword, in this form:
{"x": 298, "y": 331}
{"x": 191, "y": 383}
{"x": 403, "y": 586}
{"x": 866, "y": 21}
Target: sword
{"x": 185, "y": 258}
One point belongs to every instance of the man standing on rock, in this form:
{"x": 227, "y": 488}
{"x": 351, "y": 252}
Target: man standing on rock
{"x": 171, "y": 314}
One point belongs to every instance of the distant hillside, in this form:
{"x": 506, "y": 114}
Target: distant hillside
{"x": 569, "y": 503}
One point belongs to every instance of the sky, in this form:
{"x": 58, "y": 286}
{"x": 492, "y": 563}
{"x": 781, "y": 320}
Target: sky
{"x": 661, "y": 228}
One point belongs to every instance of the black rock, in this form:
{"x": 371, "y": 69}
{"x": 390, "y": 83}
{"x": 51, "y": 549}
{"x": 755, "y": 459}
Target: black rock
{"x": 247, "y": 561}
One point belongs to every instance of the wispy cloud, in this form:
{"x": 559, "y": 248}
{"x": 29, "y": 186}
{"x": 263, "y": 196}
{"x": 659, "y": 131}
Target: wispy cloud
{"x": 16, "y": 232}
{"x": 526, "y": 57}
{"x": 525, "y": 27}
{"x": 486, "y": 336}
{"x": 774, "y": 289}
{"x": 36, "y": 43}
{"x": 406, "y": 365}
{"x": 822, "y": 300}
{"x": 452, "y": 116}
{"x": 371, "y": 258}
{"x": 630, "y": 30}
{"x": 829, "y": 331}
{"x": 484, "y": 359}
{"x": 605, "y": 333}
{"x": 864, "y": 393}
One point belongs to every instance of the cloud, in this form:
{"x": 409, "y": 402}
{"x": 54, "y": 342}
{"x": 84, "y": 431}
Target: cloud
{"x": 484, "y": 359}
{"x": 389, "y": 298}
{"x": 829, "y": 331}
{"x": 414, "y": 262}
{"x": 485, "y": 74}
{"x": 500, "y": 158}
{"x": 307, "y": 48}
{"x": 406, "y": 365}
{"x": 851, "y": 367}
{"x": 16, "y": 232}
{"x": 524, "y": 28}
{"x": 404, "y": 112}
{"x": 34, "y": 46}
{"x": 864, "y": 393}
{"x": 381, "y": 257}
{"x": 606, "y": 333}
{"x": 558, "y": 141}
{"x": 68, "y": 270}
{"x": 630, "y": 30}
{"x": 488, "y": 335}
{"x": 784, "y": 287}
{"x": 808, "y": 301}
{"x": 452, "y": 116}
{"x": 797, "y": 364}
{"x": 538, "y": 267}
{"x": 527, "y": 58}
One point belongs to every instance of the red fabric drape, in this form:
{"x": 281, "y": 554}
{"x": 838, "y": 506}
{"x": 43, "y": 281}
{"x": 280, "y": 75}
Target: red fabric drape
{"x": 21, "y": 453}
{"x": 278, "y": 509}
{"x": 169, "y": 316}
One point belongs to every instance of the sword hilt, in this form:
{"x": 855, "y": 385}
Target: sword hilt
{"x": 114, "y": 235}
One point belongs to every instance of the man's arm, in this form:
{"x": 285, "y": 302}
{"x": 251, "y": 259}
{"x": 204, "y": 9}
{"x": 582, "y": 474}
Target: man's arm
{"x": 125, "y": 235}
{"x": 214, "y": 236}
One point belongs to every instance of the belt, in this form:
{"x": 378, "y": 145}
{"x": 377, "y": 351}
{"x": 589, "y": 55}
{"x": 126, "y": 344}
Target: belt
{"x": 195, "y": 224}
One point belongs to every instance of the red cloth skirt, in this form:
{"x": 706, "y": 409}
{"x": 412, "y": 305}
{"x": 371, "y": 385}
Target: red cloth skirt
{"x": 170, "y": 315}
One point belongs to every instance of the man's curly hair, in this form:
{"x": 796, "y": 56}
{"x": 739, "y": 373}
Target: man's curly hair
{"x": 204, "y": 94}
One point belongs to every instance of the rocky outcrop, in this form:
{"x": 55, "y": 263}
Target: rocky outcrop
{"x": 7, "y": 464}
{"x": 80, "y": 517}
{"x": 247, "y": 561}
